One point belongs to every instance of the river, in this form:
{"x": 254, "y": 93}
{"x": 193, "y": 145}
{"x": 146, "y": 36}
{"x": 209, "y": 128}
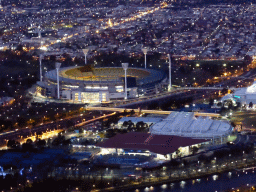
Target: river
{"x": 214, "y": 183}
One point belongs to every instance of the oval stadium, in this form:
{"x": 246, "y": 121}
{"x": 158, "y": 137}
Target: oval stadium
{"x": 86, "y": 84}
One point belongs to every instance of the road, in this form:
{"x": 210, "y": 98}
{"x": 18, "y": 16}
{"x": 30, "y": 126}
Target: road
{"x": 50, "y": 126}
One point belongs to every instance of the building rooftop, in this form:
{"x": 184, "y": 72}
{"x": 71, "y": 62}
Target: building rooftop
{"x": 187, "y": 125}
{"x": 161, "y": 144}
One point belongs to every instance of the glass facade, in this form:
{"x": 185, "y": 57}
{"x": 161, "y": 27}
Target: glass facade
{"x": 76, "y": 96}
{"x": 119, "y": 89}
{"x": 88, "y": 97}
{"x": 104, "y": 97}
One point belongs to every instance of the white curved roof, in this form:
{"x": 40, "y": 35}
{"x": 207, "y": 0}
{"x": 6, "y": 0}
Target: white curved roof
{"x": 251, "y": 89}
{"x": 153, "y": 75}
{"x": 187, "y": 125}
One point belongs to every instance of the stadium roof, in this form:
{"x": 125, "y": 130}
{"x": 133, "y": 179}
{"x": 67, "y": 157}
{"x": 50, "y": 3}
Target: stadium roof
{"x": 187, "y": 125}
{"x": 161, "y": 144}
{"x": 105, "y": 75}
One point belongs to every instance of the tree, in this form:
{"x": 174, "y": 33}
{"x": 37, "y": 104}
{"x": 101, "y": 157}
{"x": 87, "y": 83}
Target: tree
{"x": 11, "y": 143}
{"x": 67, "y": 142}
{"x": 27, "y": 147}
{"x": 211, "y": 101}
{"x": 59, "y": 140}
{"x": 247, "y": 59}
{"x": 40, "y": 143}
{"x": 140, "y": 125}
{"x": 130, "y": 125}
{"x": 125, "y": 124}
{"x": 178, "y": 152}
{"x": 224, "y": 91}
{"x": 194, "y": 150}
{"x": 19, "y": 47}
{"x": 29, "y": 141}
{"x": 70, "y": 123}
{"x": 53, "y": 58}
{"x": 125, "y": 112}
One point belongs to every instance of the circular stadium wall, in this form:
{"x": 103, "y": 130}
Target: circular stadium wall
{"x": 93, "y": 85}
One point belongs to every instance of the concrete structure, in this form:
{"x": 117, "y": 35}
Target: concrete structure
{"x": 95, "y": 85}
{"x": 40, "y": 63}
{"x": 85, "y": 51}
{"x": 57, "y": 65}
{"x": 185, "y": 124}
{"x": 145, "y": 50}
{"x": 125, "y": 67}
{"x": 170, "y": 73}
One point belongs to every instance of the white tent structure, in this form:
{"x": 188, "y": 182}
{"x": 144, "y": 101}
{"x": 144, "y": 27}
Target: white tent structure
{"x": 185, "y": 124}
{"x": 246, "y": 95}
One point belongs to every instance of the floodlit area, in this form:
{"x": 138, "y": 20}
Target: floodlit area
{"x": 45, "y": 135}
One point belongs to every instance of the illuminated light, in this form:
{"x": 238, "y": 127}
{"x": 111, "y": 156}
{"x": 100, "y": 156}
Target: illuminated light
{"x": 182, "y": 184}
{"x": 44, "y": 48}
{"x": 215, "y": 177}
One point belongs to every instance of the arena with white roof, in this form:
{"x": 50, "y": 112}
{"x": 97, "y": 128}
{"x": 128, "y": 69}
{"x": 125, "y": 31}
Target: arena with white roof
{"x": 185, "y": 124}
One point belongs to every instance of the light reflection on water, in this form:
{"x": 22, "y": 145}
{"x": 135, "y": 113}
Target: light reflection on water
{"x": 212, "y": 183}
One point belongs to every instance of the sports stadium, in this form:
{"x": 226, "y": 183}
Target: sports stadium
{"x": 86, "y": 84}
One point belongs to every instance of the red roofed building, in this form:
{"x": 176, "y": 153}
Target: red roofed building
{"x": 163, "y": 145}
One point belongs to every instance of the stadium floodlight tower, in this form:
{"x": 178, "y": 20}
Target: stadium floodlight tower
{"x": 40, "y": 63}
{"x": 125, "y": 67}
{"x": 85, "y": 51}
{"x": 40, "y": 35}
{"x": 57, "y": 65}
{"x": 170, "y": 73}
{"x": 145, "y": 50}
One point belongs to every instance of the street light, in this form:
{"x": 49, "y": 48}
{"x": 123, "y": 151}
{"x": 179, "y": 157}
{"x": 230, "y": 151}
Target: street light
{"x": 57, "y": 65}
{"x": 145, "y": 50}
{"x": 125, "y": 67}
{"x": 85, "y": 51}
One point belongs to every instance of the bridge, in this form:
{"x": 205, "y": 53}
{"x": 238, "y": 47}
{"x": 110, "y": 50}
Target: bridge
{"x": 204, "y": 88}
{"x": 146, "y": 111}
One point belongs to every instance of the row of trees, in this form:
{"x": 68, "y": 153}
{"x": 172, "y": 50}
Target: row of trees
{"x": 128, "y": 126}
{"x": 29, "y": 145}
